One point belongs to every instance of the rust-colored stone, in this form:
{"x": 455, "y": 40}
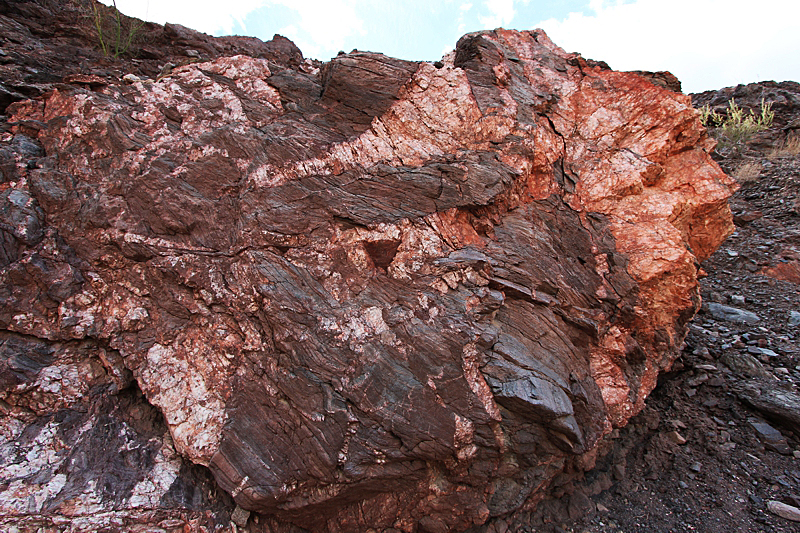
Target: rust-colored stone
{"x": 789, "y": 271}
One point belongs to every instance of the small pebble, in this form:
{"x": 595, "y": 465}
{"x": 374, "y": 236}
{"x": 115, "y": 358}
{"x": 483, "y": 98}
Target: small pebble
{"x": 761, "y": 351}
{"x": 676, "y": 437}
{"x": 706, "y": 367}
{"x": 697, "y": 380}
{"x": 240, "y": 516}
{"x": 702, "y": 351}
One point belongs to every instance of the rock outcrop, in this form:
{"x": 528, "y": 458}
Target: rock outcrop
{"x": 366, "y": 294}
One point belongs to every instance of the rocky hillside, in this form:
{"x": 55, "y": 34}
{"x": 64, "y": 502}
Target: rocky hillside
{"x": 247, "y": 291}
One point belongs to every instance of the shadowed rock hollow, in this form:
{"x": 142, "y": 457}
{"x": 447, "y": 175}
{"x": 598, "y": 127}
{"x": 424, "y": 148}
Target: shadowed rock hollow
{"x": 376, "y": 294}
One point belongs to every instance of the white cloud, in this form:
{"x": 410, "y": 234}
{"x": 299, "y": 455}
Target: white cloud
{"x": 502, "y": 13}
{"x": 707, "y": 44}
{"x": 324, "y": 25}
{"x": 208, "y": 16}
{"x": 321, "y": 31}
{"x": 463, "y": 9}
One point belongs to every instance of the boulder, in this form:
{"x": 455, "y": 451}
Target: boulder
{"x": 732, "y": 314}
{"x": 379, "y": 294}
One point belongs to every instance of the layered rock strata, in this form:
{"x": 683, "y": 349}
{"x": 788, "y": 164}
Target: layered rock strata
{"x": 376, "y": 294}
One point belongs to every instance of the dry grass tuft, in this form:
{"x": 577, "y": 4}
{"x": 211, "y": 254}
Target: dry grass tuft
{"x": 747, "y": 172}
{"x": 790, "y": 147}
{"x": 736, "y": 127}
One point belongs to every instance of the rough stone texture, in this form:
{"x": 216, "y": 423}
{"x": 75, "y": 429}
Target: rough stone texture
{"x": 776, "y": 403}
{"x": 78, "y": 442}
{"x": 367, "y": 294}
{"x": 663, "y": 79}
{"x": 47, "y": 42}
{"x": 771, "y": 437}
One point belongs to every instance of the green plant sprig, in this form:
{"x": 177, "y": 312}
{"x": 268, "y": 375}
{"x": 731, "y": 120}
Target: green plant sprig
{"x": 736, "y": 127}
{"x": 121, "y": 39}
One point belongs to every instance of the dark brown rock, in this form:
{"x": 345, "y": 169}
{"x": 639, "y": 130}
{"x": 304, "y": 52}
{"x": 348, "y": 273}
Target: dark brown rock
{"x": 776, "y": 403}
{"x": 663, "y": 79}
{"x": 370, "y": 294}
{"x": 771, "y": 437}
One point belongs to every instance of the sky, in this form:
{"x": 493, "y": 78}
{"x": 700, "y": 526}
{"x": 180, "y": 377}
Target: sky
{"x": 707, "y": 44}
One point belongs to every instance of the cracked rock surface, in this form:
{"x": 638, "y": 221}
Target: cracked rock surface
{"x": 370, "y": 293}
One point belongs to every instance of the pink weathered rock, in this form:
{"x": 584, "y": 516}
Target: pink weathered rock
{"x": 380, "y": 294}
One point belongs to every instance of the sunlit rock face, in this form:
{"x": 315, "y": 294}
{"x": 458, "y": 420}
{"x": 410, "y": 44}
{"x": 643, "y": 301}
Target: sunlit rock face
{"x": 375, "y": 294}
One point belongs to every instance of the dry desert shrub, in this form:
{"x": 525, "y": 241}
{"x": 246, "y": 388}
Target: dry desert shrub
{"x": 747, "y": 172}
{"x": 733, "y": 129}
{"x": 116, "y": 33}
{"x": 790, "y": 147}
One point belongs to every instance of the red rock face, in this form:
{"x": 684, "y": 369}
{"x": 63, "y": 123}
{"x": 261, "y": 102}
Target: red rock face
{"x": 380, "y": 294}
